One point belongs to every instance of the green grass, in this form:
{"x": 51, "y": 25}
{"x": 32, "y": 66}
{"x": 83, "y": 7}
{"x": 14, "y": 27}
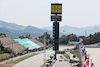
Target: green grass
{"x": 18, "y": 60}
{"x": 96, "y": 44}
{"x": 45, "y": 63}
{"x": 65, "y": 56}
{"x": 76, "y": 54}
{"x": 3, "y": 55}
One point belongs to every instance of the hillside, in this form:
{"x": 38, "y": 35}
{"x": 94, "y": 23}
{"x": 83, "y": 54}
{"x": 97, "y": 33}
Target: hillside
{"x": 14, "y": 31}
{"x": 11, "y": 26}
{"x": 78, "y": 31}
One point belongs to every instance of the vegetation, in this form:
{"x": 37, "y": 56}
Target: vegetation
{"x": 66, "y": 56}
{"x": 3, "y": 55}
{"x": 27, "y": 36}
{"x": 18, "y": 60}
{"x": 1, "y": 47}
{"x": 46, "y": 36}
{"x": 7, "y": 50}
{"x": 76, "y": 47}
{"x": 22, "y": 37}
{"x": 65, "y": 39}
{"x": 45, "y": 63}
{"x": 76, "y": 54}
{"x": 91, "y": 39}
{"x": 2, "y": 35}
{"x": 96, "y": 44}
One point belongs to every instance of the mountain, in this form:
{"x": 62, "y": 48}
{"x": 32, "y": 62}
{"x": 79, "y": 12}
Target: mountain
{"x": 14, "y": 31}
{"x": 90, "y": 31}
{"x": 48, "y": 28}
{"x": 11, "y": 26}
{"x": 78, "y": 31}
{"x": 8, "y": 33}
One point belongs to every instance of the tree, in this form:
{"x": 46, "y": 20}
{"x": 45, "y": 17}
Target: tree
{"x": 41, "y": 40}
{"x": 51, "y": 40}
{"x": 2, "y": 35}
{"x": 7, "y": 50}
{"x": 90, "y": 34}
{"x": 27, "y": 36}
{"x": 65, "y": 39}
{"x": 46, "y": 35}
{"x": 0, "y": 50}
{"x": 47, "y": 38}
{"x": 22, "y": 37}
{"x": 1, "y": 47}
{"x": 95, "y": 34}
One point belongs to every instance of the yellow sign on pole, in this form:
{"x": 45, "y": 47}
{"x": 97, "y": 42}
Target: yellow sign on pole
{"x": 60, "y": 52}
{"x": 56, "y": 8}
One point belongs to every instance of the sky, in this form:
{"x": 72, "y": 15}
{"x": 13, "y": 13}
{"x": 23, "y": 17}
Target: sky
{"x": 75, "y": 13}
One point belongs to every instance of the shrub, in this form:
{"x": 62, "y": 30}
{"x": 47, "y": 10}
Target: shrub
{"x": 7, "y": 50}
{"x": 0, "y": 50}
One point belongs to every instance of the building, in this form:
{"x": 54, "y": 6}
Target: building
{"x": 15, "y": 46}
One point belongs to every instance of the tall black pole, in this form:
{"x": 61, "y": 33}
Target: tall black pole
{"x": 56, "y": 15}
{"x": 55, "y": 54}
{"x": 55, "y": 37}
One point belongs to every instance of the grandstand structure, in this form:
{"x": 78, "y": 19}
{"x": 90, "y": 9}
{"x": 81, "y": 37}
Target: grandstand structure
{"x": 15, "y": 46}
{"x": 21, "y": 45}
{"x": 27, "y": 43}
{"x": 37, "y": 42}
{"x": 7, "y": 41}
